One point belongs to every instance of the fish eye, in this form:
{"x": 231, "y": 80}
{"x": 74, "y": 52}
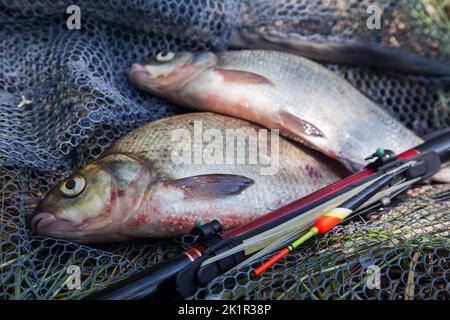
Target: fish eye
{"x": 165, "y": 56}
{"x": 73, "y": 186}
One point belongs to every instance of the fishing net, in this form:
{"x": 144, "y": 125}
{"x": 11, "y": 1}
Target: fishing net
{"x": 65, "y": 97}
{"x": 400, "y": 253}
{"x": 343, "y": 30}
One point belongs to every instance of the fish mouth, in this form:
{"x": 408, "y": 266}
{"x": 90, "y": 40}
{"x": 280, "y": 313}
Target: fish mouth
{"x": 47, "y": 224}
{"x": 140, "y": 76}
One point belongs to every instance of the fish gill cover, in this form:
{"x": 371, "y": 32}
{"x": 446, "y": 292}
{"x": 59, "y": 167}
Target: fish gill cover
{"x": 65, "y": 97}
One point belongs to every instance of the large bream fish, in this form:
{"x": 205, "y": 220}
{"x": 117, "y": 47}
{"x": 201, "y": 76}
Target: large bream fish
{"x": 306, "y": 101}
{"x": 148, "y": 185}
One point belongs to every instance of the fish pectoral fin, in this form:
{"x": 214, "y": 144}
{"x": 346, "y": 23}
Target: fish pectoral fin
{"x": 210, "y": 186}
{"x": 298, "y": 126}
{"x": 242, "y": 77}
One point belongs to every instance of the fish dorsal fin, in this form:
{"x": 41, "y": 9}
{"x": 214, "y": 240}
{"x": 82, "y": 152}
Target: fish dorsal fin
{"x": 298, "y": 126}
{"x": 211, "y": 186}
{"x": 242, "y": 77}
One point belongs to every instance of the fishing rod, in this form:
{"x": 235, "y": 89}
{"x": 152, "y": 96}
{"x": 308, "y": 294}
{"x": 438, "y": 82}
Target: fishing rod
{"x": 217, "y": 252}
{"x": 332, "y": 218}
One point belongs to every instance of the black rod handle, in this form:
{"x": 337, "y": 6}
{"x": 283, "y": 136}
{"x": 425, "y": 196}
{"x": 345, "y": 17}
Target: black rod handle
{"x": 439, "y": 144}
{"x": 156, "y": 282}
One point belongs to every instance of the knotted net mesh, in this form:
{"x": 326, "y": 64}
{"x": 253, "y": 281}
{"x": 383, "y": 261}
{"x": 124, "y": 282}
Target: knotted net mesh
{"x": 65, "y": 97}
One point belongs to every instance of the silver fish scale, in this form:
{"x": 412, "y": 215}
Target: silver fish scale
{"x": 82, "y": 103}
{"x": 300, "y": 171}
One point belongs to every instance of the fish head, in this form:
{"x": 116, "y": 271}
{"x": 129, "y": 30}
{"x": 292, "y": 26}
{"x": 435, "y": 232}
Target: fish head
{"x": 170, "y": 70}
{"x": 93, "y": 203}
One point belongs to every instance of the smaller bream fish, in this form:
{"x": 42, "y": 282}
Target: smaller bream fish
{"x": 303, "y": 99}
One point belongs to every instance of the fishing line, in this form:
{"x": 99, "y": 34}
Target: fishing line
{"x": 290, "y": 236}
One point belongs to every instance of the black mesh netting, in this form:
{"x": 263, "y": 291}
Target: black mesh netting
{"x": 65, "y": 97}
